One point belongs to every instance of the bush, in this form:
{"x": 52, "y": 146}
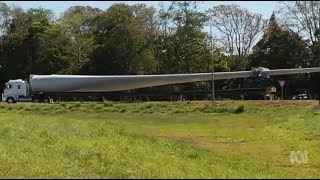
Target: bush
{"x": 148, "y": 106}
{"x": 97, "y": 107}
{"x": 77, "y": 105}
{"x": 123, "y": 110}
{"x": 70, "y": 107}
{"x": 239, "y": 109}
{"x": 63, "y": 104}
{"x": 107, "y": 104}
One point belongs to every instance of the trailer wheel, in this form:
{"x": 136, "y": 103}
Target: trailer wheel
{"x": 46, "y": 100}
{"x": 35, "y": 100}
{"x": 10, "y": 100}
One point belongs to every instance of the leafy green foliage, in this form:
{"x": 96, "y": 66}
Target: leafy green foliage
{"x": 280, "y": 48}
{"x": 76, "y": 25}
{"x": 166, "y": 108}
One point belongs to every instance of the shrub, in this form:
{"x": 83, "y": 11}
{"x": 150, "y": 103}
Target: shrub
{"x": 239, "y": 109}
{"x": 63, "y": 104}
{"x": 91, "y": 105}
{"x": 107, "y": 104}
{"x": 97, "y": 107}
{"x": 77, "y": 105}
{"x": 123, "y": 110}
{"x": 148, "y": 106}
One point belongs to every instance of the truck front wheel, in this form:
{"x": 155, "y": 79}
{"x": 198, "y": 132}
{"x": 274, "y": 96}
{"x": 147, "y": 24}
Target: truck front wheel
{"x": 10, "y": 100}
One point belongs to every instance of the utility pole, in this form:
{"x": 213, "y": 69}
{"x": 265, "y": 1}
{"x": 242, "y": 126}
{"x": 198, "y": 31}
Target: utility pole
{"x": 212, "y": 65}
{"x": 282, "y": 82}
{"x": 319, "y": 23}
{"x": 317, "y": 30}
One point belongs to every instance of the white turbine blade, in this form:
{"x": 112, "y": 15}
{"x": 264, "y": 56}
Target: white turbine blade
{"x": 86, "y": 83}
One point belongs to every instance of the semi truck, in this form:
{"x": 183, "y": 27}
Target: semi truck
{"x": 42, "y": 88}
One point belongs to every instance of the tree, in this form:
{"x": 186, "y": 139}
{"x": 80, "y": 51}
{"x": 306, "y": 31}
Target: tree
{"x": 280, "y": 48}
{"x": 20, "y": 39}
{"x": 183, "y": 46}
{"x": 303, "y": 16}
{"x": 191, "y": 53}
{"x": 76, "y": 24}
{"x": 120, "y": 41}
{"x": 27, "y": 43}
{"x": 164, "y": 42}
{"x": 53, "y": 49}
{"x": 239, "y": 29}
{"x": 147, "y": 31}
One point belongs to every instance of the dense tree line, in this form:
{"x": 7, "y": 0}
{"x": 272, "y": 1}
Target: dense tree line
{"x": 138, "y": 39}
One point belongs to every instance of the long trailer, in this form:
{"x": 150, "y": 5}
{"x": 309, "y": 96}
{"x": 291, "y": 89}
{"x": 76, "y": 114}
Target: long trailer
{"x": 40, "y": 88}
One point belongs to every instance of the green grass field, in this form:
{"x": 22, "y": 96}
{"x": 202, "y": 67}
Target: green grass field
{"x": 234, "y": 139}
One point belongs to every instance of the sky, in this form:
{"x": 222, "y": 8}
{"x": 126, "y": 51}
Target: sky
{"x": 263, "y": 7}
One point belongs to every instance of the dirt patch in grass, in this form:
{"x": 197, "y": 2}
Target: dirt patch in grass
{"x": 261, "y": 150}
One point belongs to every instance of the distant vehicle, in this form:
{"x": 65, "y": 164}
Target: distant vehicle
{"x": 42, "y": 88}
{"x": 300, "y": 97}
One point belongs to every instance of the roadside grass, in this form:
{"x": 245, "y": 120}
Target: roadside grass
{"x": 152, "y": 107}
{"x": 233, "y": 139}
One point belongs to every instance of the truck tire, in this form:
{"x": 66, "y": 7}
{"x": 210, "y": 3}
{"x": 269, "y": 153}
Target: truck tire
{"x": 46, "y": 100}
{"x": 35, "y": 100}
{"x": 10, "y": 100}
